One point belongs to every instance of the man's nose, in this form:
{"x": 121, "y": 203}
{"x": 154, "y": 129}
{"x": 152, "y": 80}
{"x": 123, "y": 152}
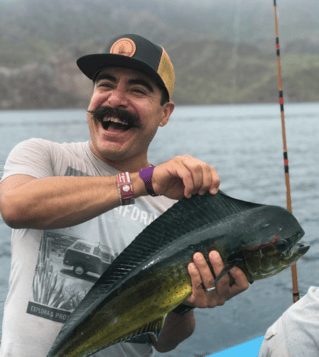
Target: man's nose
{"x": 117, "y": 98}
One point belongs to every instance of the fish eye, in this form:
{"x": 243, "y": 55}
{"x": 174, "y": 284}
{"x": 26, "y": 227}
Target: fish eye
{"x": 282, "y": 245}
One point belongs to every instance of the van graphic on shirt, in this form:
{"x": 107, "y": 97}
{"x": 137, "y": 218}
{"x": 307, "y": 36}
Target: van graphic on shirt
{"x": 66, "y": 269}
{"x": 86, "y": 257}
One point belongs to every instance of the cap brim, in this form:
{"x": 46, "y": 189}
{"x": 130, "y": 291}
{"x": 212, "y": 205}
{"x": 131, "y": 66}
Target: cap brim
{"x": 90, "y": 65}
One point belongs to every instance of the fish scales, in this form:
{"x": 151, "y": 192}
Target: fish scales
{"x": 128, "y": 305}
{"x": 149, "y": 278}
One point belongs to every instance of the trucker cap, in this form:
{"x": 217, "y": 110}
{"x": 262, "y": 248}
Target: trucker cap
{"x": 135, "y": 52}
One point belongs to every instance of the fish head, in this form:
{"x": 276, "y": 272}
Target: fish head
{"x": 270, "y": 260}
{"x": 279, "y": 250}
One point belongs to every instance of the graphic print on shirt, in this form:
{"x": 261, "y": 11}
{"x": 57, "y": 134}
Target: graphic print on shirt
{"x": 71, "y": 260}
{"x": 66, "y": 269}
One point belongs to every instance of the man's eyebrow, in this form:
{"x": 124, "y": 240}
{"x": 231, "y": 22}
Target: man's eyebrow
{"x": 111, "y": 78}
{"x": 101, "y": 76}
{"x": 143, "y": 83}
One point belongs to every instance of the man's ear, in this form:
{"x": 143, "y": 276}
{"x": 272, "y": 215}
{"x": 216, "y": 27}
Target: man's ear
{"x": 168, "y": 109}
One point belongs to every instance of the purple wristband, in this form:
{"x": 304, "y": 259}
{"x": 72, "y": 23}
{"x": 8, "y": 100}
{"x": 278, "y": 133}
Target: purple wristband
{"x": 146, "y": 175}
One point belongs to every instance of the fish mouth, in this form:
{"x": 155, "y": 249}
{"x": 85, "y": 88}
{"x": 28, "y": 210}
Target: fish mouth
{"x": 285, "y": 245}
{"x": 293, "y": 253}
{"x": 300, "y": 249}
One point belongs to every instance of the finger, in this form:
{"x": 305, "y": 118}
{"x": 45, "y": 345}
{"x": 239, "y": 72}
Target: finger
{"x": 222, "y": 286}
{"x": 198, "y": 293}
{"x": 195, "y": 168}
{"x": 204, "y": 270}
{"x": 178, "y": 169}
{"x": 205, "y": 177}
{"x": 186, "y": 176}
{"x": 241, "y": 283}
{"x": 215, "y": 182}
{"x": 207, "y": 180}
{"x": 202, "y": 175}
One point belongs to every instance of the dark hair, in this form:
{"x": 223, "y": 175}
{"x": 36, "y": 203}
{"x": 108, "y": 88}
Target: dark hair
{"x": 164, "y": 98}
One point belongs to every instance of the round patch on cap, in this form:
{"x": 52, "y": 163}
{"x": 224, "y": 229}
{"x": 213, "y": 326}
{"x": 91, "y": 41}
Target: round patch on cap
{"x": 123, "y": 47}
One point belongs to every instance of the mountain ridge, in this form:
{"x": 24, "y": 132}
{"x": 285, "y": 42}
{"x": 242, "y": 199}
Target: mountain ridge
{"x": 223, "y": 52}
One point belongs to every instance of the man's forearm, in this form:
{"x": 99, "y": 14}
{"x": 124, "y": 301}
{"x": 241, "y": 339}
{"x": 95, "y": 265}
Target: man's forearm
{"x": 175, "y": 330}
{"x": 58, "y": 202}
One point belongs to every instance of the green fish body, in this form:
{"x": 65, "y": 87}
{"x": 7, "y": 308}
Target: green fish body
{"x": 149, "y": 278}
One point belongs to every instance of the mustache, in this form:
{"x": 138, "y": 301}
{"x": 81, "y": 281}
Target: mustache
{"x": 124, "y": 115}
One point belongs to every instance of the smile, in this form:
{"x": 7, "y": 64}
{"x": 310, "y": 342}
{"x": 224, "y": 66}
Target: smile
{"x": 111, "y": 124}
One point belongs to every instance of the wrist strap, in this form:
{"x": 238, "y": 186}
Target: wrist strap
{"x": 182, "y": 309}
{"x": 125, "y": 188}
{"x": 146, "y": 175}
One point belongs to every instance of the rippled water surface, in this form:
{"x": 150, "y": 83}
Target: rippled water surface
{"x": 244, "y": 144}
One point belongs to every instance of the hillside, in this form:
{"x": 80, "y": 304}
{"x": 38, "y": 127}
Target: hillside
{"x": 223, "y": 51}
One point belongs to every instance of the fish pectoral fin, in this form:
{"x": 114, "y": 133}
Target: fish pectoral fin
{"x": 154, "y": 328}
{"x": 225, "y": 271}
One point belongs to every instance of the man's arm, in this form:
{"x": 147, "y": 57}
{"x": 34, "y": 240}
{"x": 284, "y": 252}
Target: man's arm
{"x": 58, "y": 202}
{"x": 175, "y": 330}
{"x": 178, "y": 328}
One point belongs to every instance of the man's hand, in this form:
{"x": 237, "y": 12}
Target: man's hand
{"x": 184, "y": 176}
{"x": 202, "y": 278}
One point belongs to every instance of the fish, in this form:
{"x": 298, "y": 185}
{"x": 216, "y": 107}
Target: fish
{"x": 149, "y": 278}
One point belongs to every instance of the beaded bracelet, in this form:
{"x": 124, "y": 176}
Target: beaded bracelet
{"x": 125, "y": 189}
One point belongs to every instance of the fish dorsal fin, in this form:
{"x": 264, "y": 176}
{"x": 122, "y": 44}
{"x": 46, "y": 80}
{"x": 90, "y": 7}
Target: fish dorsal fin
{"x": 185, "y": 216}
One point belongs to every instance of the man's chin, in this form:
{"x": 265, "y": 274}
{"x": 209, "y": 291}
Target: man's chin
{"x": 108, "y": 151}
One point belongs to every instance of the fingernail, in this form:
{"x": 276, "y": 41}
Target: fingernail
{"x": 198, "y": 256}
{"x": 213, "y": 255}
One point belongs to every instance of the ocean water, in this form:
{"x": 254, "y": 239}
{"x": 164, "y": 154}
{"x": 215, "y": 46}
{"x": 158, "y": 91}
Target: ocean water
{"x": 244, "y": 144}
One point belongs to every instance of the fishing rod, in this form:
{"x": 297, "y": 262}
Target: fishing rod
{"x": 295, "y": 290}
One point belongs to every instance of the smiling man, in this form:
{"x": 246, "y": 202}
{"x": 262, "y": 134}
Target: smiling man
{"x": 64, "y": 203}
{"x": 122, "y": 131}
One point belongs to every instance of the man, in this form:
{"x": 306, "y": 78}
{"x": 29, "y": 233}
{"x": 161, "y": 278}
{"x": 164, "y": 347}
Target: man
{"x": 67, "y": 204}
{"x": 295, "y": 333}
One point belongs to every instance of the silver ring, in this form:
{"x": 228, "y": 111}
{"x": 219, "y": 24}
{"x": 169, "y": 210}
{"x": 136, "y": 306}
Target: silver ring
{"x": 210, "y": 290}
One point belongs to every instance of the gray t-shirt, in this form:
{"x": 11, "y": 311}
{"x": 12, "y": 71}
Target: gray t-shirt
{"x": 52, "y": 270}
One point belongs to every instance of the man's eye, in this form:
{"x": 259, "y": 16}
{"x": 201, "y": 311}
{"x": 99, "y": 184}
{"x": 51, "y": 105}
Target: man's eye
{"x": 104, "y": 84}
{"x": 139, "y": 90}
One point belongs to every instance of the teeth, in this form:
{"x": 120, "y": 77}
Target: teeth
{"x": 114, "y": 120}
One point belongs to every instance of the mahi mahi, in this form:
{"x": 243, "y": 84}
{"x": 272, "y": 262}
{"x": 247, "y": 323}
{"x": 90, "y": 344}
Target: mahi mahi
{"x": 149, "y": 278}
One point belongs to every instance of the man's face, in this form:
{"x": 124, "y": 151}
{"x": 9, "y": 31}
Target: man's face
{"x": 124, "y": 130}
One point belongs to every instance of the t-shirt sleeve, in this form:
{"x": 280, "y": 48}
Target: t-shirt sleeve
{"x": 31, "y": 157}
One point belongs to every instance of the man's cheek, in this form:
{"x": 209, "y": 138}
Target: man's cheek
{"x": 98, "y": 99}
